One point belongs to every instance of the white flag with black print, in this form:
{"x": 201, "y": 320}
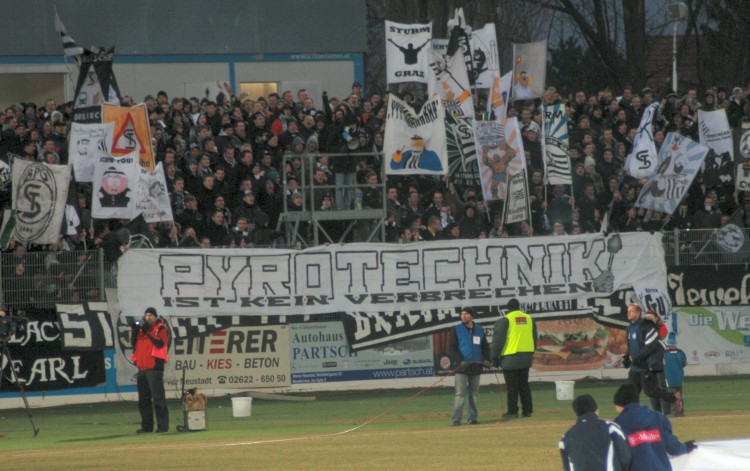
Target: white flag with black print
{"x": 643, "y": 159}
{"x": 40, "y": 191}
{"x": 407, "y": 51}
{"x": 714, "y": 133}
{"x": 680, "y": 160}
{"x": 414, "y": 143}
{"x": 555, "y": 146}
{"x": 70, "y": 48}
{"x": 88, "y": 143}
{"x": 152, "y": 196}
{"x": 485, "y": 56}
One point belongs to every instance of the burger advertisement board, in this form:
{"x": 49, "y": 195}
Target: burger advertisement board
{"x": 577, "y": 343}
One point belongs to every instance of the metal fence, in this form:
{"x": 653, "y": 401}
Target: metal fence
{"x": 42, "y": 279}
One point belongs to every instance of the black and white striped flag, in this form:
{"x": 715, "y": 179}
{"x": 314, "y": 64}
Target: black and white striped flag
{"x": 70, "y": 48}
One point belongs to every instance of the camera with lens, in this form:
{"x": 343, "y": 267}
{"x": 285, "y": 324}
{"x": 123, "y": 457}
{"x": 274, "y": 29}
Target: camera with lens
{"x": 137, "y": 325}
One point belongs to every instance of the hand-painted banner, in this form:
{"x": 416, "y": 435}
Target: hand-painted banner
{"x": 407, "y": 50}
{"x": 320, "y": 354}
{"x": 714, "y": 133}
{"x": 96, "y": 86}
{"x": 86, "y": 326}
{"x": 529, "y": 70}
{"x": 486, "y": 59}
{"x": 40, "y": 191}
{"x": 462, "y": 162}
{"x": 384, "y": 277}
{"x": 499, "y": 153}
{"x": 642, "y": 160}
{"x": 414, "y": 143}
{"x": 114, "y": 182}
{"x": 131, "y": 134}
{"x": 88, "y": 143}
{"x": 517, "y": 207}
{"x": 450, "y": 81}
{"x": 556, "y": 147}
{"x": 152, "y": 196}
{"x": 40, "y": 360}
{"x": 680, "y": 160}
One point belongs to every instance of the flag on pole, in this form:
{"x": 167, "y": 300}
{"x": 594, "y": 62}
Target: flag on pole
{"x": 70, "y": 48}
{"x": 714, "y": 133}
{"x": 152, "y": 195}
{"x": 458, "y": 41}
{"x": 499, "y": 95}
{"x": 529, "y": 70}
{"x": 643, "y": 159}
{"x": 40, "y": 191}
{"x": 681, "y": 159}
{"x": 555, "y": 145}
{"x": 414, "y": 143}
{"x": 485, "y": 57}
{"x": 8, "y": 228}
{"x": 407, "y": 51}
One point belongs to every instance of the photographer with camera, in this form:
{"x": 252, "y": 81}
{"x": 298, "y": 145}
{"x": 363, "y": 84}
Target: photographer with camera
{"x": 150, "y": 342}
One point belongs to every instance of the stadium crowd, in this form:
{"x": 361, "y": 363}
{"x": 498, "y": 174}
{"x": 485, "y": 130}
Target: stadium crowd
{"x": 234, "y": 165}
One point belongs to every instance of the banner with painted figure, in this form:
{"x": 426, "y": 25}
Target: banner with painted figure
{"x": 499, "y": 153}
{"x": 484, "y": 53}
{"x": 39, "y": 194}
{"x": 115, "y": 180}
{"x": 41, "y": 361}
{"x": 555, "y": 146}
{"x": 96, "y": 86}
{"x": 365, "y": 278}
{"x": 741, "y": 141}
{"x": 321, "y": 354}
{"x": 462, "y": 162}
{"x": 88, "y": 143}
{"x": 131, "y": 134}
{"x": 414, "y": 143}
{"x": 152, "y": 196}
{"x": 680, "y": 160}
{"x": 449, "y": 80}
{"x": 499, "y": 95}
{"x": 714, "y": 133}
{"x": 642, "y": 160}
{"x": 529, "y": 70}
{"x": 407, "y": 48}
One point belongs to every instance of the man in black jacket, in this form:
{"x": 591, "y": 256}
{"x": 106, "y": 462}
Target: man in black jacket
{"x": 593, "y": 444}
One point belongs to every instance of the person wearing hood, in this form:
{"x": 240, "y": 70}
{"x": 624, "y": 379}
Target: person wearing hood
{"x": 291, "y": 136}
{"x": 649, "y": 433}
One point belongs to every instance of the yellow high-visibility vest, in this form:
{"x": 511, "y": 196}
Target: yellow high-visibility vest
{"x": 520, "y": 333}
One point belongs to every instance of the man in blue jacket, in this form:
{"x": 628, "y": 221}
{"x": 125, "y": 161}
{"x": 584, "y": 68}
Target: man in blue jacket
{"x": 649, "y": 433}
{"x": 645, "y": 357}
{"x": 470, "y": 351}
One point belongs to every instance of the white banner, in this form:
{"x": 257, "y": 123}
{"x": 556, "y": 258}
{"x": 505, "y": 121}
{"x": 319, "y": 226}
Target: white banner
{"x": 555, "y": 146}
{"x": 407, "y": 50}
{"x": 714, "y": 133}
{"x": 713, "y": 335}
{"x": 742, "y": 182}
{"x": 114, "y": 182}
{"x": 88, "y": 143}
{"x": 414, "y": 143}
{"x": 517, "y": 207}
{"x": 486, "y": 59}
{"x": 152, "y": 196}
{"x": 450, "y": 81}
{"x": 386, "y": 277}
{"x": 642, "y": 160}
{"x": 40, "y": 191}
{"x": 499, "y": 153}
{"x": 680, "y": 158}
{"x": 440, "y": 46}
{"x": 529, "y": 70}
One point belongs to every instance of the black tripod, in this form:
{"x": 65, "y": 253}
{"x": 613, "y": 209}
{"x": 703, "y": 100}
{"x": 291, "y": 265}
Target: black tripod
{"x": 12, "y": 377}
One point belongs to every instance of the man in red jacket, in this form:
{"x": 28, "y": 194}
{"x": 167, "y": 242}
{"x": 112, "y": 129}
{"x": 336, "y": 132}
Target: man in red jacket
{"x": 150, "y": 346}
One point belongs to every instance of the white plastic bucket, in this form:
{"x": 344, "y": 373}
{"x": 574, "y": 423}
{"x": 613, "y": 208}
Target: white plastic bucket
{"x": 242, "y": 406}
{"x": 564, "y": 390}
